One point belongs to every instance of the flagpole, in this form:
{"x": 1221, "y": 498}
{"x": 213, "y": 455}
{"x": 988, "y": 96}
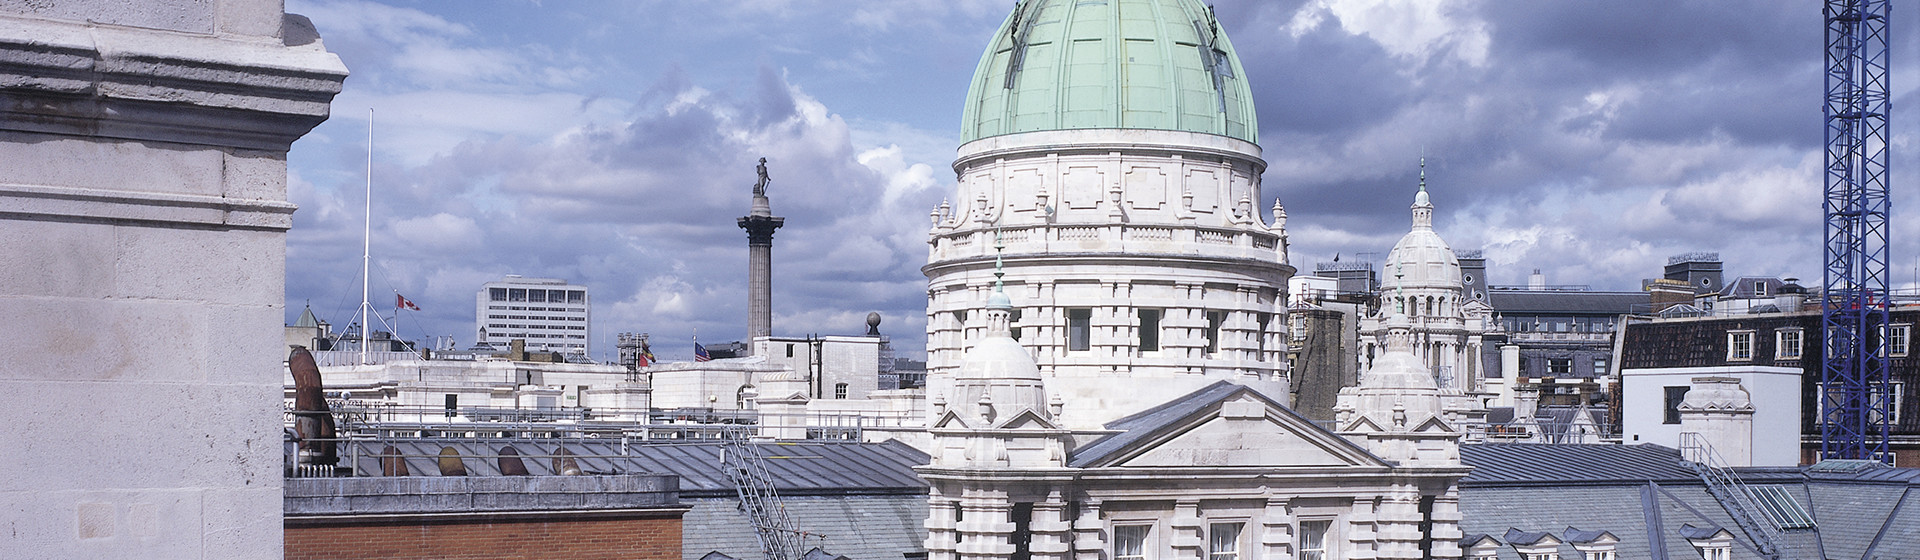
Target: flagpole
{"x": 366, "y": 248}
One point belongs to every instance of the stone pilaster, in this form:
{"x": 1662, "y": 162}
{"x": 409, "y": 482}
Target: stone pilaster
{"x": 941, "y": 531}
{"x": 1189, "y": 531}
{"x": 1089, "y": 533}
{"x": 1276, "y": 534}
{"x": 1051, "y": 531}
{"x": 143, "y": 219}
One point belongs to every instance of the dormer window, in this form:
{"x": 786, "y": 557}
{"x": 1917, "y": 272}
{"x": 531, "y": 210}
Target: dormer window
{"x": 1739, "y": 346}
{"x": 1713, "y": 543}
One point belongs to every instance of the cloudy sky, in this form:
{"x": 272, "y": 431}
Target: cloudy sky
{"x": 612, "y": 144}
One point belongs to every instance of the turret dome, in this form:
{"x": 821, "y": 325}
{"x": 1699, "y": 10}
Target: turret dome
{"x": 1141, "y": 64}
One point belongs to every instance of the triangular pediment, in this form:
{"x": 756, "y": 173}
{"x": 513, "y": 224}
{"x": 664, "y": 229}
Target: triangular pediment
{"x": 1027, "y": 420}
{"x": 1362, "y": 424}
{"x": 952, "y": 419}
{"x": 1433, "y": 424}
{"x": 1227, "y": 427}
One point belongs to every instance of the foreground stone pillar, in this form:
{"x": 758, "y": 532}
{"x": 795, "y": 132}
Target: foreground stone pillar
{"x": 143, "y": 218}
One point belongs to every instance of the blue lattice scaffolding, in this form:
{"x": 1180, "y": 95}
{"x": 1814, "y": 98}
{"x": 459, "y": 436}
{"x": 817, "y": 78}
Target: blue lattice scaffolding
{"x": 1855, "y": 393}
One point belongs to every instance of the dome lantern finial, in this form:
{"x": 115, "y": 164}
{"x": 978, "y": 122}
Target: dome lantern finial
{"x": 999, "y": 307}
{"x": 1422, "y": 206}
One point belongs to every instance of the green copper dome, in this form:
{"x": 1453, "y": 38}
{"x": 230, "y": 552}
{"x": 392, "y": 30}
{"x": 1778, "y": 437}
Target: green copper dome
{"x": 1073, "y": 64}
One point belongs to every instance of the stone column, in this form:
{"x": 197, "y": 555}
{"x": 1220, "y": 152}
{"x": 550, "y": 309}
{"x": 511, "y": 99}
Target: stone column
{"x": 143, "y": 238}
{"x": 760, "y": 223}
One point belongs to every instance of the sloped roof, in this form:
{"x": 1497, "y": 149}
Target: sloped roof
{"x": 797, "y": 468}
{"x": 1509, "y": 302}
{"x": 1561, "y": 464}
{"x": 1157, "y": 421}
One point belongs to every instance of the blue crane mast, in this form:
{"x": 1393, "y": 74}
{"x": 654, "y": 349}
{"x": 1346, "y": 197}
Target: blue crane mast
{"x": 1855, "y": 392}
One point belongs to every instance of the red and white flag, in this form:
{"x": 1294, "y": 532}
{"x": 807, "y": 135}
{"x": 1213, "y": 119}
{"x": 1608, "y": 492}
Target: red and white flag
{"x": 400, "y": 302}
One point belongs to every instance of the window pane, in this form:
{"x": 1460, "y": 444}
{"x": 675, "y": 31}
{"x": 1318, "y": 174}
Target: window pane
{"x": 1130, "y": 542}
{"x": 1079, "y": 329}
{"x": 1674, "y": 396}
{"x": 1223, "y": 541}
{"x": 497, "y": 294}
{"x": 1149, "y": 330}
{"x": 1214, "y": 320}
{"x": 576, "y": 297}
{"x": 1313, "y": 539}
{"x": 517, "y": 294}
{"x": 537, "y": 296}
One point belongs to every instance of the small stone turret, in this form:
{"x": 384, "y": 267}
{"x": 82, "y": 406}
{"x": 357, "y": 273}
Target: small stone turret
{"x": 1397, "y": 411}
{"x": 998, "y": 413}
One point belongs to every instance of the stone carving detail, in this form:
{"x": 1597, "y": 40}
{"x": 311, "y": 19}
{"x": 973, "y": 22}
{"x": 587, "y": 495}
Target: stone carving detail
{"x": 1080, "y": 186}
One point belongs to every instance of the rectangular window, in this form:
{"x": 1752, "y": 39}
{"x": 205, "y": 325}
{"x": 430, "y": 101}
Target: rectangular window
{"x": 1759, "y": 288}
{"x": 1599, "y": 366}
{"x": 537, "y": 296}
{"x": 1313, "y": 539}
{"x": 1880, "y": 401}
{"x": 840, "y": 391}
{"x": 1786, "y": 343}
{"x": 1223, "y": 541}
{"x": 497, "y": 294}
{"x": 517, "y": 294}
{"x": 1022, "y": 537}
{"x": 1214, "y": 320}
{"x": 1260, "y": 338}
{"x": 1079, "y": 330}
{"x": 1897, "y": 340}
{"x": 1674, "y": 396}
{"x": 1130, "y": 542}
{"x": 1559, "y": 366}
{"x": 1739, "y": 345}
{"x": 789, "y": 350}
{"x": 1150, "y": 330}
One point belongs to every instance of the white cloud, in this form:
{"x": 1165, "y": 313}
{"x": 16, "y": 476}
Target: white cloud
{"x": 1413, "y": 30}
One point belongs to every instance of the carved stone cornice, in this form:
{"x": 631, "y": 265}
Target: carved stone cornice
{"x": 74, "y": 78}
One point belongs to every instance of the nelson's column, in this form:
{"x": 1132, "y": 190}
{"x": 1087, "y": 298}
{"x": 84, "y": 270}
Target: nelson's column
{"x": 1111, "y": 150}
{"x": 760, "y": 223}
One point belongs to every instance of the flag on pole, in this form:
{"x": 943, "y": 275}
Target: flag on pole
{"x": 400, "y": 302}
{"x": 700, "y": 353}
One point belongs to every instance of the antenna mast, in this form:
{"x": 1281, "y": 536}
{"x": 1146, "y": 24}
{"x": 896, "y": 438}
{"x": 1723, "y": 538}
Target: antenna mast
{"x": 366, "y": 248}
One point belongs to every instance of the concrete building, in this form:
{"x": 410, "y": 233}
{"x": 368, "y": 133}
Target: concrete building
{"x": 550, "y": 314}
{"x": 144, "y": 238}
{"x": 1127, "y": 212}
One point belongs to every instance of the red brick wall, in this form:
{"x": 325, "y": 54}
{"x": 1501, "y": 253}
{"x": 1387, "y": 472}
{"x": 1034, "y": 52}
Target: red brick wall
{"x": 585, "y": 539}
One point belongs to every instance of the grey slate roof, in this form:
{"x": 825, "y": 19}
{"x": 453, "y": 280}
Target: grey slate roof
{"x": 1692, "y": 532}
{"x": 1141, "y": 425}
{"x": 797, "y": 468}
{"x": 1516, "y": 536}
{"x": 858, "y": 527}
{"x": 1563, "y": 464}
{"x": 1517, "y": 302}
{"x": 1573, "y": 535}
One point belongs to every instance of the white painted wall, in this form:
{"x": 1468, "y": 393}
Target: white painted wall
{"x": 1776, "y": 403}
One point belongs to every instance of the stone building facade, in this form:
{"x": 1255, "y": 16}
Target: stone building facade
{"x": 144, "y": 242}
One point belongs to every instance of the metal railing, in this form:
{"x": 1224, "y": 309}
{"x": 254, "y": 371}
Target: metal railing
{"x": 1732, "y": 493}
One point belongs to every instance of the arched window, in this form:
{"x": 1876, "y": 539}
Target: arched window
{"x": 741, "y": 397}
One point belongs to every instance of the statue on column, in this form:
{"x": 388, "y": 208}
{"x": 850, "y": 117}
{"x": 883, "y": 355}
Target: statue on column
{"x": 760, "y": 186}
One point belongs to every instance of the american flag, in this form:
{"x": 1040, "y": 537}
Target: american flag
{"x": 700, "y": 353}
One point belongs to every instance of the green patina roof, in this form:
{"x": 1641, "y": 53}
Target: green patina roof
{"x": 1153, "y": 64}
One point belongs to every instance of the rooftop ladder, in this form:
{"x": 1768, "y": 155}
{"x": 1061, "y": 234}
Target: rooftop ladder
{"x": 1733, "y": 494}
{"x": 746, "y": 467}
